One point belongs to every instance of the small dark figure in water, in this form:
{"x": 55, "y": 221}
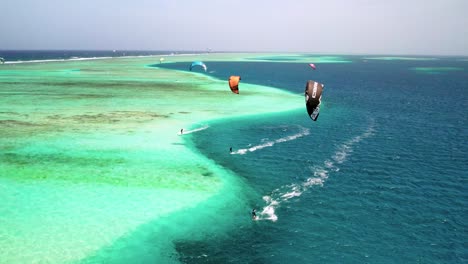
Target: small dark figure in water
{"x": 254, "y": 214}
{"x": 230, "y": 149}
{"x": 181, "y": 131}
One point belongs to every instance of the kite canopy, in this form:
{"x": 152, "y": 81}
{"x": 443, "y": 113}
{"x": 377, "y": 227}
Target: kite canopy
{"x": 312, "y": 65}
{"x": 234, "y": 83}
{"x": 198, "y": 63}
{"x": 313, "y": 97}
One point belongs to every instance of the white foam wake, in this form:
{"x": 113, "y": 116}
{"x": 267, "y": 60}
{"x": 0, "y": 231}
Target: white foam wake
{"x": 303, "y": 132}
{"x": 193, "y": 130}
{"x": 319, "y": 176}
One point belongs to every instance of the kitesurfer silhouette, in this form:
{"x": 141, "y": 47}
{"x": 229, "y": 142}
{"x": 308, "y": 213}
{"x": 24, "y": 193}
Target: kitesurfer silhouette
{"x": 254, "y": 215}
{"x": 181, "y": 131}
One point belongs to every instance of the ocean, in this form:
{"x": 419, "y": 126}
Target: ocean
{"x": 15, "y": 56}
{"x": 380, "y": 177}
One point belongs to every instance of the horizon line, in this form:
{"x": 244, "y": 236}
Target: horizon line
{"x": 221, "y": 51}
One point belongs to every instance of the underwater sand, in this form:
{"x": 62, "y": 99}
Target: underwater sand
{"x": 89, "y": 153}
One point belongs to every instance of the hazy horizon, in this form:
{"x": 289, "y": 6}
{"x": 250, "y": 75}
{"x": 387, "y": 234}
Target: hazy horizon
{"x": 169, "y": 52}
{"x": 359, "y": 27}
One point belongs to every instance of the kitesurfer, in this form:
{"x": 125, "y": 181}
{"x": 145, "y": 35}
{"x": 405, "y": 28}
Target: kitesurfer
{"x": 230, "y": 149}
{"x": 254, "y": 214}
{"x": 181, "y": 131}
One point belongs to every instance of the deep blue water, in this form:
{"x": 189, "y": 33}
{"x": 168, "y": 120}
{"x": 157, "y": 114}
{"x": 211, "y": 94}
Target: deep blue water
{"x": 381, "y": 177}
{"x": 29, "y": 55}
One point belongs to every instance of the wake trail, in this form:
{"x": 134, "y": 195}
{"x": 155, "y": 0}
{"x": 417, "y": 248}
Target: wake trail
{"x": 192, "y": 131}
{"x": 319, "y": 176}
{"x": 303, "y": 132}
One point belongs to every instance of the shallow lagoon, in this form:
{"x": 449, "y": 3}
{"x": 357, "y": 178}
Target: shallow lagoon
{"x": 90, "y": 151}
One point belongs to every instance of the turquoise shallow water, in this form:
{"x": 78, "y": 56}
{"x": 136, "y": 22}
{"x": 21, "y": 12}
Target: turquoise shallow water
{"x": 91, "y": 165}
{"x": 380, "y": 177}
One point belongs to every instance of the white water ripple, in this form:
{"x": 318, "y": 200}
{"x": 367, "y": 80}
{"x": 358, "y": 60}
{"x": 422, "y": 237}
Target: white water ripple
{"x": 192, "y": 131}
{"x": 319, "y": 176}
{"x": 302, "y": 132}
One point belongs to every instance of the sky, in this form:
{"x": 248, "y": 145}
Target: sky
{"x": 405, "y": 27}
